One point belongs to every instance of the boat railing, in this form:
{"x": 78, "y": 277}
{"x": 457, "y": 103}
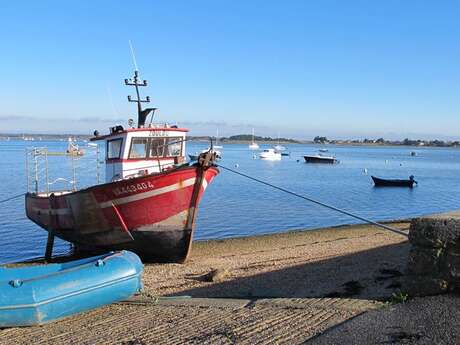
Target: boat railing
{"x": 48, "y": 171}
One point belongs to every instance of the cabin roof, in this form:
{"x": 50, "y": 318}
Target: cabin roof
{"x": 129, "y": 130}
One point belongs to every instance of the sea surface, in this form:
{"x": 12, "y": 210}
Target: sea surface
{"x": 234, "y": 206}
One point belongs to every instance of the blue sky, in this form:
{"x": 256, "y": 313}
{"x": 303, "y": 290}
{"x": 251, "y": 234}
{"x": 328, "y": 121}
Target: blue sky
{"x": 298, "y": 68}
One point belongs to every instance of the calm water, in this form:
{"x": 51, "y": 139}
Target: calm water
{"x": 234, "y": 206}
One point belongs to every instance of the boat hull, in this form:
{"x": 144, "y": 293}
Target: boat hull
{"x": 153, "y": 215}
{"x": 378, "y": 182}
{"x": 38, "y": 294}
{"x": 317, "y": 159}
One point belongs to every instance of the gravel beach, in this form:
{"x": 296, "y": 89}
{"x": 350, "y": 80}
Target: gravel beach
{"x": 324, "y": 287}
{"x": 360, "y": 261}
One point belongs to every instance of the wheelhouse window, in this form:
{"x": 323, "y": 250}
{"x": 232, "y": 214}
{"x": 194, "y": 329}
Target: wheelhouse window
{"x": 157, "y": 147}
{"x": 139, "y": 148}
{"x": 114, "y": 148}
{"x": 174, "y": 147}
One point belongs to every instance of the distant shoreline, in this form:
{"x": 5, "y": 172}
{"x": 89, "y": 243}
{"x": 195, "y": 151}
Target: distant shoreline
{"x": 244, "y": 142}
{"x": 416, "y": 144}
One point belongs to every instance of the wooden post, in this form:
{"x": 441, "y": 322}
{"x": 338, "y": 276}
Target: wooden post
{"x": 52, "y": 225}
{"x": 49, "y": 245}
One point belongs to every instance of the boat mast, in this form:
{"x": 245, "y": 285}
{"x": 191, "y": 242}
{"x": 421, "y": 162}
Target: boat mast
{"x": 141, "y": 114}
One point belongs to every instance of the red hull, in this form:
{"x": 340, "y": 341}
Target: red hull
{"x": 152, "y": 215}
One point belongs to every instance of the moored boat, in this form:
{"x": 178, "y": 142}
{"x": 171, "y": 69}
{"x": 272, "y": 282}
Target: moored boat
{"x": 253, "y": 145}
{"x": 320, "y": 159}
{"x": 217, "y": 146}
{"x": 37, "y": 294}
{"x": 380, "y": 182}
{"x": 73, "y": 149}
{"x": 270, "y": 154}
{"x": 149, "y": 201}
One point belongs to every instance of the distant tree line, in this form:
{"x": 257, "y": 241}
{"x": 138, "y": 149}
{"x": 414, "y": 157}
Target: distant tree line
{"x": 248, "y": 137}
{"x": 320, "y": 140}
{"x": 382, "y": 141}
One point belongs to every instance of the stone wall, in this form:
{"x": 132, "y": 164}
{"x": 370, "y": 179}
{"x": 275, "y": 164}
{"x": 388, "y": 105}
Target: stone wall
{"x": 434, "y": 259}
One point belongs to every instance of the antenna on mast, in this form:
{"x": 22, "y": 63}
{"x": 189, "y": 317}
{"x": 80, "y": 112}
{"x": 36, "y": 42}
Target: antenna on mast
{"x": 136, "y": 82}
{"x": 133, "y": 56}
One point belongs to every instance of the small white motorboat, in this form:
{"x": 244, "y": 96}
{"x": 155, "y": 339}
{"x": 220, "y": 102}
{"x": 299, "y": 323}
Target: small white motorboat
{"x": 270, "y": 154}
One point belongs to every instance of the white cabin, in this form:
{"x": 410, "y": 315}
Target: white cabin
{"x": 135, "y": 152}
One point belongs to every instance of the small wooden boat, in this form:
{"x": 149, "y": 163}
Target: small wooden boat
{"x": 380, "y": 182}
{"x": 320, "y": 159}
{"x": 37, "y": 294}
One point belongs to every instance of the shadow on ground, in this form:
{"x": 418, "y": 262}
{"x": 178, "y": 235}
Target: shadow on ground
{"x": 370, "y": 274}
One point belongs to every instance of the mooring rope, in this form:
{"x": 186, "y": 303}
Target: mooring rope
{"x": 386, "y": 227}
{"x": 11, "y": 198}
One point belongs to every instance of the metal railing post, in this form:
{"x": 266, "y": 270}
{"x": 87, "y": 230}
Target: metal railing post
{"x": 47, "y": 188}
{"x": 74, "y": 187}
{"x": 27, "y": 171}
{"x": 36, "y": 169}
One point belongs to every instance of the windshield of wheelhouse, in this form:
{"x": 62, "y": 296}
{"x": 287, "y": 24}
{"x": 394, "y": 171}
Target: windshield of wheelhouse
{"x": 166, "y": 147}
{"x": 155, "y": 147}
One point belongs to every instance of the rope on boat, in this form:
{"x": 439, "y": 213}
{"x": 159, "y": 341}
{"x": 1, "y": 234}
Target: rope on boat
{"x": 11, "y": 198}
{"x": 383, "y": 226}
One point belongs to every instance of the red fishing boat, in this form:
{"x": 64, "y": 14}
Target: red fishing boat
{"x": 149, "y": 201}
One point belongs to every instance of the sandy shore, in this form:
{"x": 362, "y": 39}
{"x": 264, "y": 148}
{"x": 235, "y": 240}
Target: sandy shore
{"x": 360, "y": 261}
{"x": 286, "y": 288}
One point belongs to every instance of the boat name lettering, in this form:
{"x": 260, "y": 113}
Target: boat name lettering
{"x": 157, "y": 133}
{"x": 132, "y": 188}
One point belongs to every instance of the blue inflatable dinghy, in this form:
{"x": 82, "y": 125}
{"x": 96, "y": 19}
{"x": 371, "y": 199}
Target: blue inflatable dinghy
{"x": 37, "y": 294}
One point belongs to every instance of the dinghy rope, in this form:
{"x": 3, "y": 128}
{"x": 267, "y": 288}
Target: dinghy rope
{"x": 383, "y": 226}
